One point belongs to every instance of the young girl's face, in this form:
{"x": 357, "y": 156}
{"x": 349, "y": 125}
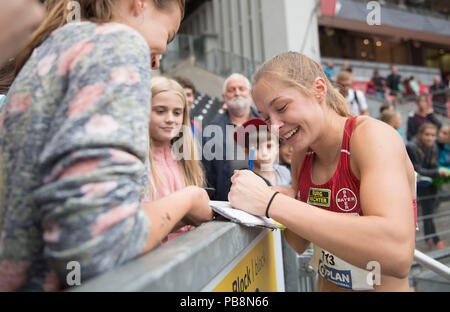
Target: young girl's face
{"x": 166, "y": 117}
{"x": 428, "y": 137}
{"x": 444, "y": 135}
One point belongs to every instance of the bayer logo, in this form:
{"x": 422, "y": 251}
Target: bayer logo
{"x": 346, "y": 200}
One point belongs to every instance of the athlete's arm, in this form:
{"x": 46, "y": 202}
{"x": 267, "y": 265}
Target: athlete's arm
{"x": 386, "y": 231}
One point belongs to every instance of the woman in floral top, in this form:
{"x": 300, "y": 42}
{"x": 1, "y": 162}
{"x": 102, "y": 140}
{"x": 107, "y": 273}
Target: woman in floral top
{"x": 74, "y": 145}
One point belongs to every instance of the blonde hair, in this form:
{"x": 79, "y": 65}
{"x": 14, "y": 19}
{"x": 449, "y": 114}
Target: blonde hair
{"x": 388, "y": 116}
{"x": 192, "y": 169}
{"x": 298, "y": 70}
{"x": 344, "y": 76}
{"x": 97, "y": 11}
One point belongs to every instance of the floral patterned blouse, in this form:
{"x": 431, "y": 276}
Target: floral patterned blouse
{"x": 73, "y": 157}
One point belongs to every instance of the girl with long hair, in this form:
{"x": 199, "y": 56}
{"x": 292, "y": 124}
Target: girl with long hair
{"x": 353, "y": 189}
{"x": 172, "y": 170}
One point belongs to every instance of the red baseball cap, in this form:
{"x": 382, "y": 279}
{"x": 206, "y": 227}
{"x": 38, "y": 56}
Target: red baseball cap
{"x": 245, "y": 128}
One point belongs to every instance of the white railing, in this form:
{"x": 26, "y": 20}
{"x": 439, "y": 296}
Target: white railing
{"x": 431, "y": 264}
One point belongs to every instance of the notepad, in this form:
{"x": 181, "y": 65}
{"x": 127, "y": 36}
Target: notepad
{"x": 238, "y": 216}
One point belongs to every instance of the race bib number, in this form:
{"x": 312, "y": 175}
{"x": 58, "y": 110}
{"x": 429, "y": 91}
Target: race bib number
{"x": 339, "y": 272}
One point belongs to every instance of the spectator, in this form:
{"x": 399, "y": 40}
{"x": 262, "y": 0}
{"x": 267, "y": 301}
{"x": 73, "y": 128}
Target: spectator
{"x": 356, "y": 100}
{"x": 393, "y": 82}
{"x": 443, "y": 143}
{"x": 406, "y": 88}
{"x": 254, "y": 133}
{"x": 346, "y": 67}
{"x": 285, "y": 154}
{"x": 401, "y": 86}
{"x": 380, "y": 84}
{"x": 386, "y": 107}
{"x": 189, "y": 91}
{"x": 219, "y": 163}
{"x": 74, "y": 138}
{"x": 424, "y": 113}
{"x": 439, "y": 98}
{"x": 18, "y": 19}
{"x": 329, "y": 71}
{"x": 414, "y": 86}
{"x": 422, "y": 88}
{"x": 370, "y": 88}
{"x": 424, "y": 155}
{"x": 169, "y": 123}
{"x": 394, "y": 119}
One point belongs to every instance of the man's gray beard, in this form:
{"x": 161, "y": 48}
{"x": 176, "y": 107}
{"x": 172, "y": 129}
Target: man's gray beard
{"x": 238, "y": 106}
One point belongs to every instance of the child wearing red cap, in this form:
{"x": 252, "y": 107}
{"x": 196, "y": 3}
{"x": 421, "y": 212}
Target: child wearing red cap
{"x": 254, "y": 134}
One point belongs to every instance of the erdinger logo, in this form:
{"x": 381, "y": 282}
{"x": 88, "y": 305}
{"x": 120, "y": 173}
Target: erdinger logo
{"x": 346, "y": 200}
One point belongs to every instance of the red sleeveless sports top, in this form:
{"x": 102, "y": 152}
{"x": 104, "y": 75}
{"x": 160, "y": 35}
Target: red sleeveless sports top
{"x": 341, "y": 192}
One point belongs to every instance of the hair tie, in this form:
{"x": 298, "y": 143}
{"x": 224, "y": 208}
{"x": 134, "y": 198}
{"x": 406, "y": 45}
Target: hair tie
{"x": 268, "y": 205}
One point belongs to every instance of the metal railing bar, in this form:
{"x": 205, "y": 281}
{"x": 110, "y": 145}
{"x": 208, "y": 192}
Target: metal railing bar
{"x": 435, "y": 266}
{"x": 434, "y": 215}
{"x": 443, "y": 233}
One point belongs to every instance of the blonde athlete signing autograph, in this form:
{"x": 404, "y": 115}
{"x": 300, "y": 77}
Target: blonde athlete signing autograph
{"x": 352, "y": 177}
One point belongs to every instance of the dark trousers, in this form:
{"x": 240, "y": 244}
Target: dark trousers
{"x": 428, "y": 205}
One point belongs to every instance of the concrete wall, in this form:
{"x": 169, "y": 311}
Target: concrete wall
{"x": 258, "y": 29}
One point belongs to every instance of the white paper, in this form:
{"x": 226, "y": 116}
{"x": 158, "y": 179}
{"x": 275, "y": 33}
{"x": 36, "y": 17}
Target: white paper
{"x": 224, "y": 208}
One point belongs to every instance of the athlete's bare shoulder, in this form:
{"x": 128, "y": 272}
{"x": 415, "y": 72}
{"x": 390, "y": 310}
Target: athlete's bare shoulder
{"x": 369, "y": 131}
{"x": 374, "y": 141}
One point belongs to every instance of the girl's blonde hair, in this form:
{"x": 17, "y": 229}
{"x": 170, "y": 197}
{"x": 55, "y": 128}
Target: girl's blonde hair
{"x": 192, "y": 169}
{"x": 97, "y": 11}
{"x": 388, "y": 116}
{"x": 298, "y": 70}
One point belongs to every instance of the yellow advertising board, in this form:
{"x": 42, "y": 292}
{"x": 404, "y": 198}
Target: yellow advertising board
{"x": 255, "y": 270}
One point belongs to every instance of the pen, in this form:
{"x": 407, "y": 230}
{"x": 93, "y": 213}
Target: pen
{"x": 252, "y": 156}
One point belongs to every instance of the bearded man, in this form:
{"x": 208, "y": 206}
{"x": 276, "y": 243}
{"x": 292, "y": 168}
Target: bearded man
{"x": 221, "y": 154}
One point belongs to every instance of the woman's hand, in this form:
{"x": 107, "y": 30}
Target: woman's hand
{"x": 249, "y": 192}
{"x": 200, "y": 211}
